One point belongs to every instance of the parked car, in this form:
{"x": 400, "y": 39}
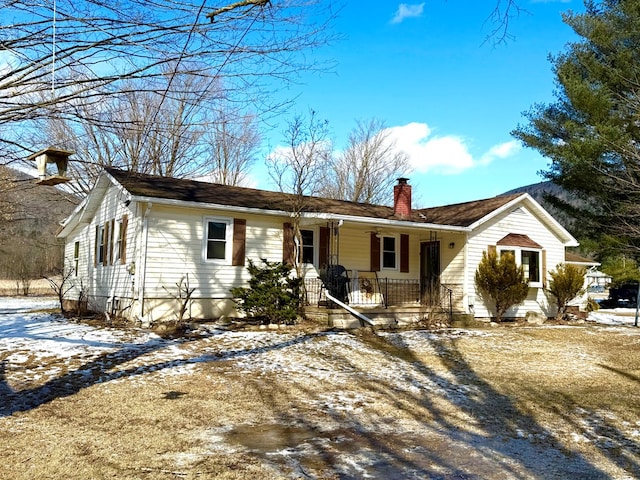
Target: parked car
{"x": 625, "y": 295}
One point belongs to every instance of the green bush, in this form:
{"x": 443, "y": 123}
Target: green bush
{"x": 273, "y": 295}
{"x": 567, "y": 282}
{"x": 499, "y": 280}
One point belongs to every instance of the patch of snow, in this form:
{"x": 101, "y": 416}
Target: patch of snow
{"x": 616, "y": 316}
{"x": 29, "y": 333}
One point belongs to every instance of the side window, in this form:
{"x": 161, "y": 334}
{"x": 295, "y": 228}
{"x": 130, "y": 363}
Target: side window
{"x": 389, "y": 253}
{"x": 218, "y": 237}
{"x": 76, "y": 257}
{"x": 100, "y": 245}
{"x": 531, "y": 264}
{"x": 120, "y": 243}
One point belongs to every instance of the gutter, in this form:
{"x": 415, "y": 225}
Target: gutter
{"x": 143, "y": 259}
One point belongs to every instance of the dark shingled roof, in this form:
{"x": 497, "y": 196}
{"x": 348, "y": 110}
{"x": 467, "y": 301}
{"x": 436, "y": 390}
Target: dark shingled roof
{"x": 142, "y": 185}
{"x": 465, "y": 214}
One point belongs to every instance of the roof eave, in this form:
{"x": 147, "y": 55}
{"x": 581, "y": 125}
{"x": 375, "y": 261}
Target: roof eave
{"x": 82, "y": 214}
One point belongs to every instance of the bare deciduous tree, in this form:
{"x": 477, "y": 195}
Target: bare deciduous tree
{"x": 367, "y": 169}
{"x": 156, "y": 132}
{"x": 503, "y": 13}
{"x": 231, "y": 141}
{"x": 54, "y": 54}
{"x": 298, "y": 167}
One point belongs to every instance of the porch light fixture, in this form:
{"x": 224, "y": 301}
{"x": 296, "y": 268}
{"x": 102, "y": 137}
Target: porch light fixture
{"x": 452, "y": 245}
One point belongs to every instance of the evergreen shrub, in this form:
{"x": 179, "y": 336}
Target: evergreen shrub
{"x": 273, "y": 295}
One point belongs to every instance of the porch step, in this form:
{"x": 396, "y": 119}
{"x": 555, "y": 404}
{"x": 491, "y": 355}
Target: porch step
{"x": 389, "y": 317}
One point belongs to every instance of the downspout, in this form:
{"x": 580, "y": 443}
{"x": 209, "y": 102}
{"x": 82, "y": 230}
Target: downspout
{"x": 470, "y": 298}
{"x": 352, "y": 311}
{"x": 143, "y": 259}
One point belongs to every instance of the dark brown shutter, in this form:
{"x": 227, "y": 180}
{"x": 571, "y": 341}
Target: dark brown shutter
{"x": 375, "y": 253}
{"x": 404, "y": 253}
{"x": 491, "y": 249}
{"x": 96, "y": 246}
{"x": 323, "y": 241}
{"x": 239, "y": 241}
{"x": 123, "y": 239}
{"x": 288, "y": 245}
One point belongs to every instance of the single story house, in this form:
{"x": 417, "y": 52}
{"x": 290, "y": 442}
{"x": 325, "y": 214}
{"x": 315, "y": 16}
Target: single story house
{"x": 136, "y": 237}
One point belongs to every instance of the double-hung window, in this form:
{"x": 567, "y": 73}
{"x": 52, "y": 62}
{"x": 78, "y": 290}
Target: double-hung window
{"x": 531, "y": 263}
{"x": 120, "y": 241}
{"x": 307, "y": 248}
{"x": 76, "y": 258}
{"x": 101, "y": 250}
{"x": 218, "y": 237}
{"x": 389, "y": 253}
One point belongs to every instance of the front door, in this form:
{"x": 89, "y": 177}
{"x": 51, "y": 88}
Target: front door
{"x": 430, "y": 272}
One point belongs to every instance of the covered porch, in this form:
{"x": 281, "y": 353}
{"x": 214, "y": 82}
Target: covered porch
{"x": 386, "y": 301}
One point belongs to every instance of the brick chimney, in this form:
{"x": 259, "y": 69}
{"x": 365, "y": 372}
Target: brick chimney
{"x": 402, "y": 198}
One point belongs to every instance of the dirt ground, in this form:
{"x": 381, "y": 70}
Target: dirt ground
{"x": 487, "y": 403}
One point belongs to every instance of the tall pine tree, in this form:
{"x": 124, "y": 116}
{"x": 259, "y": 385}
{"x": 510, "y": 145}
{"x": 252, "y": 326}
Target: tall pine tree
{"x": 591, "y": 134}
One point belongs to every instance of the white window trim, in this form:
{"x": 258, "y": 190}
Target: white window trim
{"x": 117, "y": 226}
{"x": 518, "y": 254}
{"x": 316, "y": 257}
{"x": 228, "y": 248}
{"x": 397, "y": 253}
{"x": 76, "y": 257}
{"x": 101, "y": 251}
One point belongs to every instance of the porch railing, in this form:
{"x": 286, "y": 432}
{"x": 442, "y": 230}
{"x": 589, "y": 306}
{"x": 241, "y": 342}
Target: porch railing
{"x": 384, "y": 293}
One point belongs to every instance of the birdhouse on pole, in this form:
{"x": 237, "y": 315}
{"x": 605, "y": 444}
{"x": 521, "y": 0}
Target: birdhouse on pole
{"x": 47, "y": 156}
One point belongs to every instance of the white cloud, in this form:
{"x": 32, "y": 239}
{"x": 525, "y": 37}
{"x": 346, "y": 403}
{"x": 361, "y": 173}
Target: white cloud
{"x": 502, "y": 150}
{"x": 447, "y": 154}
{"x": 406, "y": 10}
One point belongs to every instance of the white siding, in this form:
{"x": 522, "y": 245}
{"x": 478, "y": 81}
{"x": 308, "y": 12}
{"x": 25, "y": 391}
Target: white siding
{"x": 175, "y": 249}
{"x": 102, "y": 282}
{"x": 521, "y": 221}
{"x": 165, "y": 245}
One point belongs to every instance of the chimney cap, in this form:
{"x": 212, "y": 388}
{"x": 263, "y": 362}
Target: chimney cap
{"x": 402, "y": 180}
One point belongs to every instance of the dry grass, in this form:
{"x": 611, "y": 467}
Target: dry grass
{"x": 493, "y": 404}
{"x": 37, "y": 287}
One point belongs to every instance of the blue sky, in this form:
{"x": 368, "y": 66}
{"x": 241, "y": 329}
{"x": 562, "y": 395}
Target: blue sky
{"x": 450, "y": 98}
